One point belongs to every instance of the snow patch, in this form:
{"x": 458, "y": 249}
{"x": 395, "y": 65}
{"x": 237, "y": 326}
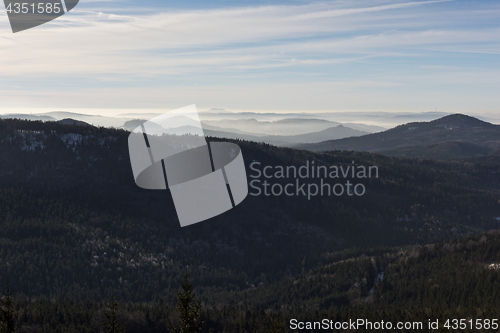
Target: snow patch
{"x": 71, "y": 139}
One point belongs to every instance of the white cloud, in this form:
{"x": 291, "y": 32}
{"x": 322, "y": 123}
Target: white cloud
{"x": 93, "y": 43}
{"x": 311, "y": 40}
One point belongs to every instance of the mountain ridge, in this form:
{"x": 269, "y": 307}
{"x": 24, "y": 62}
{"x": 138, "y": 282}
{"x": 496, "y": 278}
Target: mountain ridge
{"x": 456, "y": 127}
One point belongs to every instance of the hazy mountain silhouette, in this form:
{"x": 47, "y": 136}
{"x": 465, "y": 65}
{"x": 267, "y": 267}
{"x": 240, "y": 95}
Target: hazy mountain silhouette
{"x": 279, "y": 140}
{"x": 288, "y": 140}
{"x": 286, "y": 126}
{"x": 69, "y": 121}
{"x": 217, "y": 110}
{"x": 27, "y": 117}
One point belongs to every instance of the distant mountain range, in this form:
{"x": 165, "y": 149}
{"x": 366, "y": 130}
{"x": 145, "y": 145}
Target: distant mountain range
{"x": 381, "y": 119}
{"x": 449, "y": 137}
{"x": 286, "y": 126}
{"x": 217, "y": 110}
{"x": 453, "y": 136}
{"x": 23, "y": 116}
{"x": 320, "y": 130}
{"x": 96, "y": 120}
{"x": 286, "y": 140}
{"x": 250, "y": 124}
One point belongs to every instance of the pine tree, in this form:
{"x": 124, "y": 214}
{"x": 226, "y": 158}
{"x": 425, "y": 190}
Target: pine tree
{"x": 190, "y": 317}
{"x": 112, "y": 325}
{"x": 7, "y": 316}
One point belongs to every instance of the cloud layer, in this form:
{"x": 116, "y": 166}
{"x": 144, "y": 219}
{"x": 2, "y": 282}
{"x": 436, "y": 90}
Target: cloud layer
{"x": 319, "y": 55}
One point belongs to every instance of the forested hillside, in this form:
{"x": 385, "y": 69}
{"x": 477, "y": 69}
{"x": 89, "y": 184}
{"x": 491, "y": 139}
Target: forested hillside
{"x": 411, "y": 284}
{"x": 74, "y": 227}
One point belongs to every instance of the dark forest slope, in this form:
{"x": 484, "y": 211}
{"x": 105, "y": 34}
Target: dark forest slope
{"x": 74, "y": 224}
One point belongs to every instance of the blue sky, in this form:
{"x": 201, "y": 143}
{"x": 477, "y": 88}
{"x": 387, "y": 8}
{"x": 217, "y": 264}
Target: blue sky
{"x": 258, "y": 55}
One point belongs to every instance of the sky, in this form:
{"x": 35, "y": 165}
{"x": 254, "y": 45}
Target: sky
{"x": 263, "y": 56}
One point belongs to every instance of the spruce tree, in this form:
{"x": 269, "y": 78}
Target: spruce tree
{"x": 7, "y": 316}
{"x": 190, "y": 317}
{"x": 112, "y": 325}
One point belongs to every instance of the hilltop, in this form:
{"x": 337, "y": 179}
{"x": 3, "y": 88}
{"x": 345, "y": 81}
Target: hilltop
{"x": 419, "y": 139}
